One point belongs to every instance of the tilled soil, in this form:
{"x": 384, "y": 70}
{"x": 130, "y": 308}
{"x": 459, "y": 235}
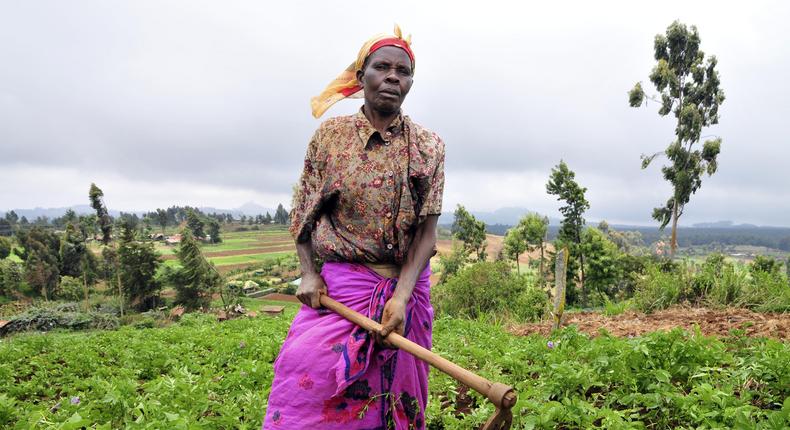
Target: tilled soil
{"x": 718, "y": 322}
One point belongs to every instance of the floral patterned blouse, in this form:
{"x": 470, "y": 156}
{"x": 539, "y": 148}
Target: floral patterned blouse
{"x": 361, "y": 194}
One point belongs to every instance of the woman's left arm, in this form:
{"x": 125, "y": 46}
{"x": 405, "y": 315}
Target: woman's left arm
{"x": 417, "y": 257}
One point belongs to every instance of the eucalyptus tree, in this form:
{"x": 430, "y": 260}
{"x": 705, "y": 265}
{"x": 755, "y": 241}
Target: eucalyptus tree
{"x": 688, "y": 85}
{"x": 562, "y": 184}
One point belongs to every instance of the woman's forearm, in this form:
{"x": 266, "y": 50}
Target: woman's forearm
{"x": 417, "y": 257}
{"x": 306, "y": 257}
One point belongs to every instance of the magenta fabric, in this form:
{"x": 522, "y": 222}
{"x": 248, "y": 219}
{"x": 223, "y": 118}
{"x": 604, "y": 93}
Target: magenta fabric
{"x": 330, "y": 374}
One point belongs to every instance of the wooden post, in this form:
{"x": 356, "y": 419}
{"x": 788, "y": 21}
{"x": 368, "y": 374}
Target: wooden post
{"x": 560, "y": 275}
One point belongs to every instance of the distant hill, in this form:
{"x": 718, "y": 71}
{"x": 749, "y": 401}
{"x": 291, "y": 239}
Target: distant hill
{"x": 249, "y": 209}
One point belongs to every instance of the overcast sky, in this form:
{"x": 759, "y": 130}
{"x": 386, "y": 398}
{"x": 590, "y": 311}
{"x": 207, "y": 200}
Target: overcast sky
{"x": 207, "y": 103}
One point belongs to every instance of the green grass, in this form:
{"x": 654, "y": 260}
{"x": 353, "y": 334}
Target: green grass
{"x": 209, "y": 375}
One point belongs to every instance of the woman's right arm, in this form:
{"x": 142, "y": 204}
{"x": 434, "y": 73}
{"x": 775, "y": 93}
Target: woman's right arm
{"x": 312, "y": 285}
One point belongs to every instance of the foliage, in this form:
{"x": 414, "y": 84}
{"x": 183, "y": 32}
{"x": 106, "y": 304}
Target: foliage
{"x": 689, "y": 89}
{"x": 138, "y": 264}
{"x": 490, "y": 288}
{"x": 195, "y": 224}
{"x": 5, "y": 247}
{"x": 96, "y": 196}
{"x": 203, "y": 374}
{"x": 213, "y": 231}
{"x": 280, "y": 215}
{"x": 471, "y": 232}
{"x": 514, "y": 245}
{"x": 562, "y": 184}
{"x": 11, "y": 277}
{"x": 42, "y": 259}
{"x": 716, "y": 283}
{"x": 602, "y": 270}
{"x": 71, "y": 289}
{"x": 196, "y": 277}
{"x": 765, "y": 264}
{"x": 451, "y": 263}
{"x": 58, "y": 317}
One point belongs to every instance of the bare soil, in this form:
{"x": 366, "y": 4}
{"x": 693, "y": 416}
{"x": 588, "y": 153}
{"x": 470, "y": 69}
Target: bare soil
{"x": 712, "y": 322}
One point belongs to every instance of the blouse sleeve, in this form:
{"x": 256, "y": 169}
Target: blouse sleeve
{"x": 433, "y": 201}
{"x": 307, "y": 193}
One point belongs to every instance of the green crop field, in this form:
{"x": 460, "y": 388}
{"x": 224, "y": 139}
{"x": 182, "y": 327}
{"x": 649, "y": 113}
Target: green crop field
{"x": 240, "y": 248}
{"x": 201, "y": 374}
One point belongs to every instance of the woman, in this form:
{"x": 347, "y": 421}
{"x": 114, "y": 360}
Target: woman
{"x": 367, "y": 205}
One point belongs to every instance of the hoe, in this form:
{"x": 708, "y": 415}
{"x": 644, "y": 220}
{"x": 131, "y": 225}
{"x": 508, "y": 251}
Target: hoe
{"x": 502, "y": 396}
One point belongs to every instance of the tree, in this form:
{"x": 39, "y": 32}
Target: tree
{"x": 42, "y": 265}
{"x": 267, "y": 219}
{"x": 471, "y": 232}
{"x": 72, "y": 251}
{"x": 195, "y": 224}
{"x": 162, "y": 218}
{"x": 196, "y": 277}
{"x": 689, "y": 89}
{"x": 213, "y": 231}
{"x": 88, "y": 225}
{"x": 11, "y": 217}
{"x": 601, "y": 257}
{"x": 515, "y": 244}
{"x": 138, "y": 263}
{"x": 23, "y": 221}
{"x": 96, "y": 196}
{"x": 535, "y": 228}
{"x": 5, "y": 247}
{"x": 6, "y": 229}
{"x": 562, "y": 184}
{"x": 281, "y": 215}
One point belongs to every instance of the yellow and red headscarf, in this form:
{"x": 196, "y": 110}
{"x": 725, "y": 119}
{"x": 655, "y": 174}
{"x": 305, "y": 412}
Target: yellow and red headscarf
{"x": 346, "y": 84}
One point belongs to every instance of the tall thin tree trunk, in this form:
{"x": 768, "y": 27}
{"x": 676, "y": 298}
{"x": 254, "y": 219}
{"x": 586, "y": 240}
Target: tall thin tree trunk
{"x": 120, "y": 290}
{"x": 542, "y": 273}
{"x": 85, "y": 287}
{"x": 673, "y": 243}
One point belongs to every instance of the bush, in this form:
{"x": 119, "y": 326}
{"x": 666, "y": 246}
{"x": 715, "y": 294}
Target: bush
{"x": 452, "y": 263}
{"x": 71, "y": 289}
{"x": 490, "y": 288}
{"x": 658, "y": 289}
{"x": 5, "y": 247}
{"x": 11, "y": 275}
{"x": 63, "y": 316}
{"x": 766, "y": 292}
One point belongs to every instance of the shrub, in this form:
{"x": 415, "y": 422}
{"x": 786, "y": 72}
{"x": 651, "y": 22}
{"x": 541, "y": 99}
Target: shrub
{"x": 766, "y": 292}
{"x": 490, "y": 288}
{"x": 658, "y": 289}
{"x": 5, "y": 247}
{"x": 63, "y": 316}
{"x": 765, "y": 264}
{"x": 11, "y": 275}
{"x": 452, "y": 263}
{"x": 71, "y": 289}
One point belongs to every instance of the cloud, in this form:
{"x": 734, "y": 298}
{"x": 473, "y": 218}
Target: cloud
{"x": 173, "y": 101}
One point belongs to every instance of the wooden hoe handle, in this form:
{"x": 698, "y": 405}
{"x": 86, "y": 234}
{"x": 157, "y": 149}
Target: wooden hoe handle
{"x": 502, "y": 396}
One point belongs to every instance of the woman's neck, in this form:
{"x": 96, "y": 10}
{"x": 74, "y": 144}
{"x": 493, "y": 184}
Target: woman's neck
{"x": 379, "y": 120}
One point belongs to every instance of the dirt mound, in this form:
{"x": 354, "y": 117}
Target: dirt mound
{"x": 718, "y": 322}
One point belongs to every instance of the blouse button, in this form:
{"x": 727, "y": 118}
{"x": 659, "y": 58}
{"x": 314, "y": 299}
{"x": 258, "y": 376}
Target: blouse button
{"x": 387, "y": 143}
{"x": 389, "y": 133}
{"x": 390, "y": 173}
{"x": 389, "y": 246}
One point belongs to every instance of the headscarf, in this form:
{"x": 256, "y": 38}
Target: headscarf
{"x": 346, "y": 84}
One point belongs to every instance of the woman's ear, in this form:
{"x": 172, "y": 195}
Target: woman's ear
{"x": 360, "y": 75}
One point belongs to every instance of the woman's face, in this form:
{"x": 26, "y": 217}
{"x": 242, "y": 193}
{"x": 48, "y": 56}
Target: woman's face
{"x": 386, "y": 79}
